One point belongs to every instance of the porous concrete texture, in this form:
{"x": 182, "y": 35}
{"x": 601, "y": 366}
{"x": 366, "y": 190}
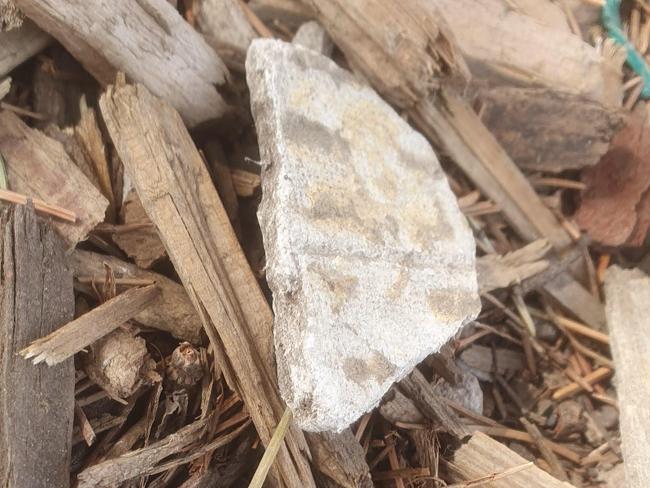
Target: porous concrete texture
{"x": 369, "y": 259}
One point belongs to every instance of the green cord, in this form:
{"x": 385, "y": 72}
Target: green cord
{"x": 612, "y": 22}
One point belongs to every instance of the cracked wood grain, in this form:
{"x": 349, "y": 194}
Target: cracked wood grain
{"x": 36, "y": 402}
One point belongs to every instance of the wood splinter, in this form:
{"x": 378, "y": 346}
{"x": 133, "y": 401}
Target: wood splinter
{"x": 83, "y": 331}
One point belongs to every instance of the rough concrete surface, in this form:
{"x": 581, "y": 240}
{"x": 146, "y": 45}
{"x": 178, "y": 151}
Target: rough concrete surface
{"x": 369, "y": 259}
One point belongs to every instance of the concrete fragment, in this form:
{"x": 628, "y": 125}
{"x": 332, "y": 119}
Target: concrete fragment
{"x": 313, "y": 36}
{"x": 370, "y": 261}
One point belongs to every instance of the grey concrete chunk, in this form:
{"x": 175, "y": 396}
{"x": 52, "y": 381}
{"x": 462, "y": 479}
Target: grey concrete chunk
{"x": 313, "y": 36}
{"x": 369, "y": 259}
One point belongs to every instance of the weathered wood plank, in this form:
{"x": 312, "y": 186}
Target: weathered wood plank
{"x": 36, "y": 402}
{"x": 628, "y": 320}
{"x": 146, "y": 39}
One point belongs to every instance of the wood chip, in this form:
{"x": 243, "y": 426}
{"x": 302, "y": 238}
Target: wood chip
{"x": 39, "y": 167}
{"x": 155, "y": 47}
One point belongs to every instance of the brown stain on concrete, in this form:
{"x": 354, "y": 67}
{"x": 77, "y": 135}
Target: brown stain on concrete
{"x": 377, "y": 368}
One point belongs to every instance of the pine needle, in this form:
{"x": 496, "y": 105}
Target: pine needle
{"x": 271, "y": 450}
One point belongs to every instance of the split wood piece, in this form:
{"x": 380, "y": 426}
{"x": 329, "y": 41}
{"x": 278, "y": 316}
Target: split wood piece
{"x": 36, "y": 402}
{"x": 518, "y": 435}
{"x": 145, "y": 461}
{"x": 406, "y": 72}
{"x": 171, "y": 310}
{"x": 546, "y": 130}
{"x": 39, "y": 167}
{"x": 225, "y": 27}
{"x": 91, "y": 326}
{"x": 84, "y": 426}
{"x": 90, "y": 137}
{"x": 628, "y": 318}
{"x": 500, "y": 271}
{"x": 70, "y": 143}
{"x": 177, "y": 193}
{"x": 146, "y": 39}
{"x": 18, "y": 45}
{"x": 483, "y": 458}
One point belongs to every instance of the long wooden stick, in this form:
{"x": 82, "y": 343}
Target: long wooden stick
{"x": 39, "y": 205}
